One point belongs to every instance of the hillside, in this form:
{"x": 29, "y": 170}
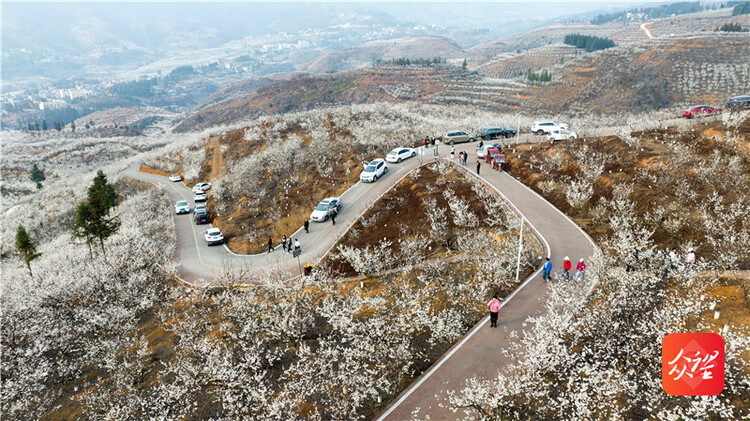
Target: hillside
{"x": 652, "y": 74}
{"x": 655, "y": 74}
{"x": 306, "y": 92}
{"x": 510, "y": 65}
{"x": 368, "y": 53}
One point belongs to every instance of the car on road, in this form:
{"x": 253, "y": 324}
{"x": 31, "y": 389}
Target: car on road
{"x": 201, "y": 187}
{"x": 373, "y": 170}
{"x": 213, "y": 236}
{"x": 181, "y": 206}
{"x": 494, "y": 132}
{"x": 400, "y": 154}
{"x": 324, "y": 209}
{"x": 561, "y": 134}
{"x": 738, "y": 102}
{"x": 700, "y": 111}
{"x": 542, "y": 127}
{"x": 200, "y": 197}
{"x": 483, "y": 150}
{"x": 175, "y": 177}
{"x": 201, "y": 216}
{"x": 457, "y": 136}
{"x": 200, "y": 208}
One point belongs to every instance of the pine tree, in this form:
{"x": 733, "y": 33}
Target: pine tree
{"x": 92, "y": 216}
{"x": 464, "y": 65}
{"x": 26, "y": 247}
{"x": 73, "y": 126}
{"x": 44, "y": 124}
{"x": 37, "y": 176}
{"x": 84, "y": 226}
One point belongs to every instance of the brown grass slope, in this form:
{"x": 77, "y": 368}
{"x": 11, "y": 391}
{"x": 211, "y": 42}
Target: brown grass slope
{"x": 306, "y": 92}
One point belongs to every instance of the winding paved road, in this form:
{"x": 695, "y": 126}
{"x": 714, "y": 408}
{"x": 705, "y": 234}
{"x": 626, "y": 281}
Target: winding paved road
{"x": 478, "y": 353}
{"x": 200, "y": 264}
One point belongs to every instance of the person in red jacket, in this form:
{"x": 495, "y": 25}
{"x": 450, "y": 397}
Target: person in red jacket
{"x": 567, "y": 265}
{"x": 580, "y": 271}
{"x": 494, "y": 306}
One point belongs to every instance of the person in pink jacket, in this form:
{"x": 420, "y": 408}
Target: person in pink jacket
{"x": 580, "y": 271}
{"x": 494, "y": 306}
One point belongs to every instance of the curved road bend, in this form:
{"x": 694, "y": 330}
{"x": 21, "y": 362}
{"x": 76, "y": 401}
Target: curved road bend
{"x": 201, "y": 264}
{"x": 478, "y": 353}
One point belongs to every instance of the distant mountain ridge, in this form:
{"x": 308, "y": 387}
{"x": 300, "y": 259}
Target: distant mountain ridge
{"x": 368, "y": 53}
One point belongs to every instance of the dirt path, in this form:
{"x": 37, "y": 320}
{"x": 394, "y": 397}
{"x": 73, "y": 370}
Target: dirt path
{"x": 217, "y": 161}
{"x": 645, "y": 28}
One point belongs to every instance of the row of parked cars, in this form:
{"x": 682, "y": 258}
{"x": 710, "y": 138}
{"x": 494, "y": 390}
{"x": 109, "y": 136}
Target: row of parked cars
{"x": 554, "y": 131}
{"x": 734, "y": 103}
{"x": 373, "y": 170}
{"x": 200, "y": 212}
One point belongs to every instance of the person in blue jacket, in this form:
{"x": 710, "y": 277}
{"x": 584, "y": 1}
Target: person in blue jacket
{"x": 546, "y": 269}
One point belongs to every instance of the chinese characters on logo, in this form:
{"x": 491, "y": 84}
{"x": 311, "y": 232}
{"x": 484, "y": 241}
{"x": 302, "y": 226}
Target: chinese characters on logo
{"x": 692, "y": 364}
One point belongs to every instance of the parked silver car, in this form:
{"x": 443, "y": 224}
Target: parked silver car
{"x": 458, "y": 136}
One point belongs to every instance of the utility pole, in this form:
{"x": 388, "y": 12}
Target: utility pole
{"x": 520, "y": 247}
{"x": 296, "y": 253}
{"x": 518, "y": 130}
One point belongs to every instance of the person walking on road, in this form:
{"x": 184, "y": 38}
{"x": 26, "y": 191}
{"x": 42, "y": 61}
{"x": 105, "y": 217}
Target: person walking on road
{"x": 567, "y": 265}
{"x": 307, "y": 226}
{"x": 494, "y": 306}
{"x": 453, "y": 152}
{"x": 580, "y": 272}
{"x": 481, "y": 143}
{"x": 546, "y": 269}
{"x": 270, "y": 244}
{"x": 297, "y": 245}
{"x": 283, "y": 243}
{"x": 333, "y": 216}
{"x": 478, "y": 166}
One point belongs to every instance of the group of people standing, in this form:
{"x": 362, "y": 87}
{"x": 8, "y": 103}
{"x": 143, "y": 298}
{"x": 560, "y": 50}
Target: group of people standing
{"x": 567, "y": 266}
{"x": 462, "y": 156}
{"x": 431, "y": 141}
{"x": 289, "y": 244}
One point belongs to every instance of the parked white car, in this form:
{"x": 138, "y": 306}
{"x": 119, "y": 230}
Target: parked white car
{"x": 175, "y": 177}
{"x": 542, "y": 127}
{"x": 324, "y": 209}
{"x": 373, "y": 170}
{"x": 200, "y": 197}
{"x": 400, "y": 154}
{"x": 200, "y": 208}
{"x": 213, "y": 236}
{"x": 181, "y": 206}
{"x": 201, "y": 187}
{"x": 561, "y": 134}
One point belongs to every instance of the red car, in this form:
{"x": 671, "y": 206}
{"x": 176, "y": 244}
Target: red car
{"x": 700, "y": 111}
